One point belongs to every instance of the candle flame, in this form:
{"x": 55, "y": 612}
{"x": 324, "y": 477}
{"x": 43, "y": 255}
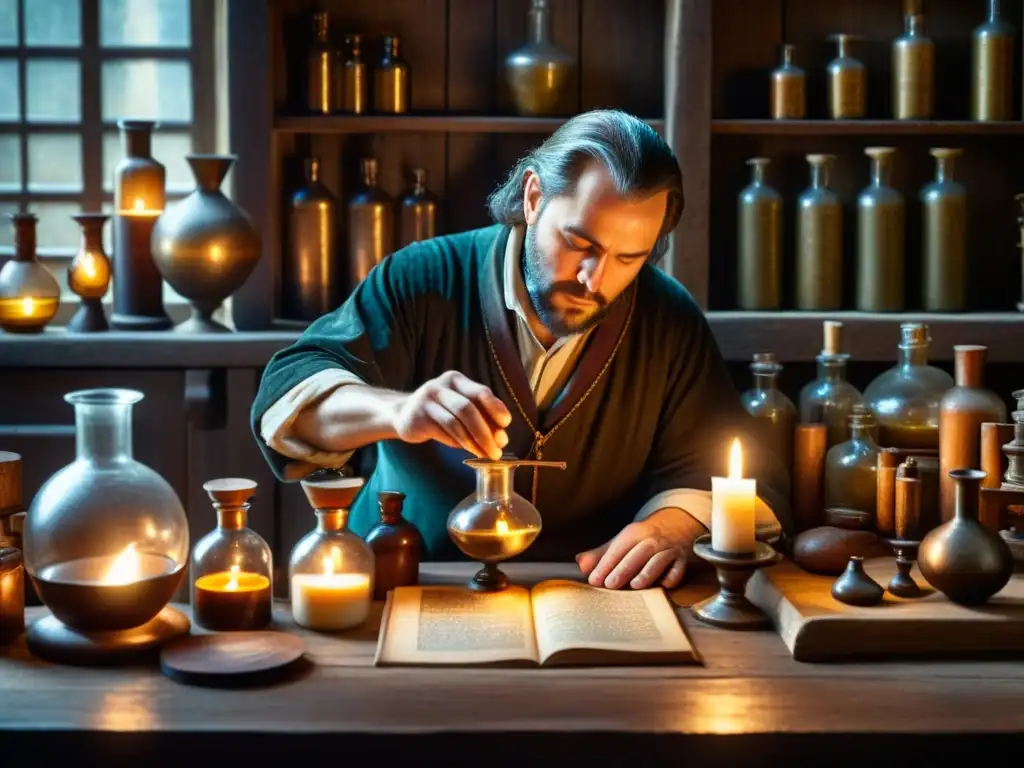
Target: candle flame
{"x": 501, "y": 527}
{"x": 735, "y": 461}
{"x": 140, "y": 204}
{"x": 332, "y": 562}
{"x": 125, "y": 568}
{"x": 232, "y": 584}
{"x": 28, "y": 306}
{"x": 89, "y": 266}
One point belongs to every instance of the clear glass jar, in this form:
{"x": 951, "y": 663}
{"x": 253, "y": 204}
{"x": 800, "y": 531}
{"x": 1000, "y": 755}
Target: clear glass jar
{"x": 29, "y": 294}
{"x": 775, "y": 413}
{"x": 331, "y": 569}
{"x": 106, "y": 538}
{"x": 232, "y": 566}
{"x": 905, "y": 399}
{"x": 830, "y": 398}
{"x": 851, "y": 467}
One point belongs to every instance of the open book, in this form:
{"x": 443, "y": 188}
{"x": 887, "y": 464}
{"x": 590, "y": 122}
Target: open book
{"x": 556, "y": 622}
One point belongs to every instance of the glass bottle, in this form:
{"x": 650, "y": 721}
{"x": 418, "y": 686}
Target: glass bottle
{"x": 847, "y": 82}
{"x": 944, "y": 237}
{"x": 323, "y": 88}
{"x": 992, "y": 67}
{"x": 391, "y": 80}
{"x": 311, "y": 280}
{"x": 29, "y": 294}
{"x": 331, "y": 571}
{"x": 775, "y": 413}
{"x": 353, "y": 76}
{"x": 905, "y": 399}
{"x": 232, "y": 567}
{"x": 913, "y": 71}
{"x": 89, "y": 275}
{"x": 880, "y": 238}
{"x": 538, "y": 72}
{"x": 396, "y": 544}
{"x": 370, "y": 226}
{"x": 417, "y": 218}
{"x": 830, "y": 398}
{"x": 819, "y": 224}
{"x": 851, "y": 467}
{"x": 106, "y": 537}
{"x": 788, "y": 88}
{"x": 760, "y": 242}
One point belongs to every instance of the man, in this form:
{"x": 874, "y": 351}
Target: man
{"x": 550, "y": 334}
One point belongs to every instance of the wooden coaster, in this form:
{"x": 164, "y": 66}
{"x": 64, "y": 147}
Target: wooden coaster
{"x": 232, "y": 659}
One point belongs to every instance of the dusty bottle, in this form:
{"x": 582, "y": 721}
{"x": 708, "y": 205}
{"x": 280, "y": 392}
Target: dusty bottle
{"x": 851, "y": 467}
{"x": 913, "y": 71}
{"x": 353, "y": 76}
{"x": 370, "y": 226}
{"x": 880, "y": 238}
{"x": 847, "y": 82}
{"x": 944, "y": 237}
{"x": 819, "y": 224}
{"x": 905, "y": 399}
{"x": 417, "y": 218}
{"x": 391, "y": 80}
{"x": 992, "y": 67}
{"x": 830, "y": 398}
{"x": 538, "y": 73}
{"x": 396, "y": 544}
{"x": 323, "y": 87}
{"x": 962, "y": 411}
{"x": 311, "y": 279}
{"x": 775, "y": 413}
{"x": 760, "y": 242}
{"x": 788, "y": 89}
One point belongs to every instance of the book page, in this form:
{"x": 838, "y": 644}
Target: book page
{"x": 571, "y": 615}
{"x": 455, "y": 625}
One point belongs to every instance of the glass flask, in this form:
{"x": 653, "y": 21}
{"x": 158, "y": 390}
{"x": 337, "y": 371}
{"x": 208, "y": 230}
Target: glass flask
{"x": 495, "y": 523}
{"x": 851, "y": 467}
{"x": 232, "y": 565}
{"x": 331, "y": 569}
{"x": 830, "y": 397}
{"x": 106, "y": 538}
{"x": 29, "y": 294}
{"x": 775, "y": 413}
{"x": 905, "y": 399}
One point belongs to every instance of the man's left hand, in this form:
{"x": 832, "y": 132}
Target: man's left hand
{"x": 644, "y": 552}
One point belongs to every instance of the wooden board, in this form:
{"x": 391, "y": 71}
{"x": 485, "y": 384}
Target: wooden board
{"x": 816, "y": 627}
{"x": 232, "y": 659}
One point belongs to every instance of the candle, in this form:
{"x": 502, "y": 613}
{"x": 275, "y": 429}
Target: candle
{"x": 732, "y": 508}
{"x": 331, "y": 601}
{"x": 12, "y": 596}
{"x": 230, "y": 600}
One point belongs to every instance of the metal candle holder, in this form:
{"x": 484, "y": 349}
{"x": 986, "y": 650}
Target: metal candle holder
{"x": 730, "y": 608}
{"x": 903, "y": 584}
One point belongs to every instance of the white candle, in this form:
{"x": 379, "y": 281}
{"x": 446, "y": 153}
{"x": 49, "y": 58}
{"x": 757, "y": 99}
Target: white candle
{"x": 732, "y": 508}
{"x": 331, "y": 601}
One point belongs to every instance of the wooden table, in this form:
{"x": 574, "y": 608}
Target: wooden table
{"x": 750, "y": 701}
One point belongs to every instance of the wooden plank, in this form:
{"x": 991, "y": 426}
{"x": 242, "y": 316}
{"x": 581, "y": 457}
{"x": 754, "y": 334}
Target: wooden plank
{"x": 472, "y": 70}
{"x": 727, "y": 127}
{"x": 454, "y": 123}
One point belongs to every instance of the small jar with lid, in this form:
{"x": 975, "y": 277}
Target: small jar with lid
{"x": 232, "y": 565}
{"x": 396, "y": 545}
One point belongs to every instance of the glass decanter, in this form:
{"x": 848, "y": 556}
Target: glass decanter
{"x": 851, "y": 467}
{"x": 905, "y": 399}
{"x": 331, "y": 571}
{"x": 830, "y": 398}
{"x": 495, "y": 523}
{"x": 775, "y": 413}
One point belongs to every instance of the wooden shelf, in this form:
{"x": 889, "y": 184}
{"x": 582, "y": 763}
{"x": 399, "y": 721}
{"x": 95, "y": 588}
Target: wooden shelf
{"x": 866, "y": 128}
{"x": 423, "y": 123}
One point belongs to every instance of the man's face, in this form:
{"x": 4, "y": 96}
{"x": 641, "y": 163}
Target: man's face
{"x": 583, "y": 249}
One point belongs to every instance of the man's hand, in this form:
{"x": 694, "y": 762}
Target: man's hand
{"x": 643, "y": 552}
{"x": 456, "y": 412}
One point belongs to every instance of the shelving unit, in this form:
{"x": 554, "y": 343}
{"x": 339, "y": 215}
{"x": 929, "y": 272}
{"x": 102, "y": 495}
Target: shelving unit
{"x": 343, "y": 124}
{"x": 865, "y": 128}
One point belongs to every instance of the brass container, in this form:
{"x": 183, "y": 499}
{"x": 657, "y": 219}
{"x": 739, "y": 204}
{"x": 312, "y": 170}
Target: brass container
{"x": 847, "y": 82}
{"x": 89, "y": 275}
{"x": 391, "y": 80}
{"x": 819, "y": 257}
{"x": 962, "y": 411}
{"x": 417, "y": 212}
{"x": 353, "y": 76}
{"x": 880, "y": 238}
{"x": 788, "y": 88}
{"x": 775, "y": 413}
{"x": 829, "y": 399}
{"x": 944, "y": 237}
{"x": 759, "y": 284}
{"x": 992, "y": 67}
{"x": 913, "y": 72}
{"x": 370, "y": 226}
{"x": 538, "y": 72}
{"x": 311, "y": 280}
{"x": 323, "y": 86}
{"x": 960, "y": 558}
{"x": 851, "y": 467}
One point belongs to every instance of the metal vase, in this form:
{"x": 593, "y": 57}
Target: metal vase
{"x": 913, "y": 72}
{"x": 944, "y": 237}
{"x": 819, "y": 258}
{"x": 311, "y": 279}
{"x": 323, "y": 88}
{"x": 29, "y": 294}
{"x": 417, "y": 218}
{"x": 539, "y": 71}
{"x": 788, "y": 88}
{"x": 992, "y": 67}
{"x": 880, "y": 238}
{"x": 759, "y": 263}
{"x": 847, "y": 82}
{"x": 391, "y": 80}
{"x": 353, "y": 77}
{"x": 370, "y": 226}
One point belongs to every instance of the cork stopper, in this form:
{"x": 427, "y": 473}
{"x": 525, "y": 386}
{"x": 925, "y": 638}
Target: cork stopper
{"x": 390, "y": 504}
{"x": 230, "y": 496}
{"x": 908, "y": 469}
{"x": 833, "y": 333}
{"x": 914, "y": 335}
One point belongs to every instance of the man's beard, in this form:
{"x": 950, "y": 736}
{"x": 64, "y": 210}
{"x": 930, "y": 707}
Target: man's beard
{"x": 541, "y": 294}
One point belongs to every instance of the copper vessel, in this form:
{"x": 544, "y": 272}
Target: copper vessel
{"x": 847, "y": 82}
{"x": 417, "y": 212}
{"x": 829, "y": 398}
{"x": 880, "y": 238}
{"x": 851, "y": 467}
{"x": 960, "y": 558}
{"x": 538, "y": 73}
{"x": 913, "y": 71}
{"x": 370, "y": 226}
{"x": 760, "y": 242}
{"x": 788, "y": 88}
{"x": 353, "y": 76}
{"x": 992, "y": 67}
{"x": 962, "y": 411}
{"x": 774, "y": 412}
{"x": 391, "y": 80}
{"x": 323, "y": 86}
{"x": 311, "y": 279}
{"x": 944, "y": 237}
{"x": 819, "y": 224}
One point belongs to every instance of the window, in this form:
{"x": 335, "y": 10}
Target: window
{"x": 69, "y": 70}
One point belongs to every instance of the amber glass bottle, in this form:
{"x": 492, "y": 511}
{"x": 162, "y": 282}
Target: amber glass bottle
{"x": 851, "y": 467}
{"x": 396, "y": 545}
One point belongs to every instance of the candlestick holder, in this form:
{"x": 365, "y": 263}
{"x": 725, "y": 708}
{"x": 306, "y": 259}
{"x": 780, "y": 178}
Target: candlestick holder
{"x": 89, "y": 275}
{"x": 903, "y": 584}
{"x": 730, "y": 608}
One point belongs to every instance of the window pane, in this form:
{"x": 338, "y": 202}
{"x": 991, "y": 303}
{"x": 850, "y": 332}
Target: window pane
{"x": 53, "y": 22}
{"x": 54, "y": 91}
{"x": 54, "y": 163}
{"x": 9, "y": 109}
{"x": 56, "y": 228}
{"x": 8, "y": 22}
{"x": 168, "y": 148}
{"x": 147, "y": 90}
{"x": 163, "y": 23}
{"x": 10, "y": 163}
{"x": 6, "y": 229}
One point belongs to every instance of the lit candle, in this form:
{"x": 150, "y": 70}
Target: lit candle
{"x": 732, "y": 508}
{"x": 331, "y": 601}
{"x": 28, "y": 306}
{"x": 232, "y": 599}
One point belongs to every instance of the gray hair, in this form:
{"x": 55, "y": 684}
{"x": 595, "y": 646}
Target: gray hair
{"x": 636, "y": 157}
